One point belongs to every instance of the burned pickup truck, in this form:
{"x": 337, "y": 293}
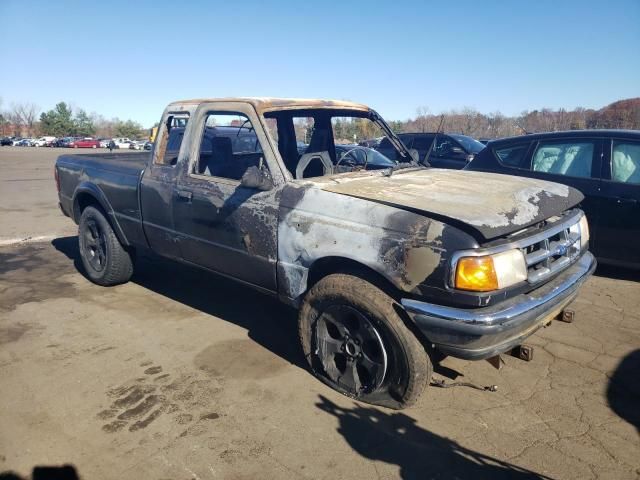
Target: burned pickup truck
{"x": 390, "y": 263}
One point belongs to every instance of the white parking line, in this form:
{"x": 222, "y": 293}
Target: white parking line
{"x": 37, "y": 238}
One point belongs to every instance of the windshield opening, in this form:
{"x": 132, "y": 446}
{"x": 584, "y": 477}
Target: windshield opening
{"x": 320, "y": 142}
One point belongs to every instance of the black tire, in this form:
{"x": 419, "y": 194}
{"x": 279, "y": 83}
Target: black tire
{"x": 105, "y": 260}
{"x": 394, "y": 367}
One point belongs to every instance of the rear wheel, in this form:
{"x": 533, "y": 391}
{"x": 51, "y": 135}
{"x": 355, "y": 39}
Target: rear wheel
{"x": 355, "y": 341}
{"x": 105, "y": 260}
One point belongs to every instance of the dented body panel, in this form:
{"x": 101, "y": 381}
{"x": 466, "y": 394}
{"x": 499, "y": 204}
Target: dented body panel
{"x": 403, "y": 226}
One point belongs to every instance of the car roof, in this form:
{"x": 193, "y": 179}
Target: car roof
{"x": 269, "y": 103}
{"x": 569, "y": 134}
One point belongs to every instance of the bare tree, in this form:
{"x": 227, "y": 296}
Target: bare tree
{"x": 24, "y": 115}
{"x": 422, "y": 118}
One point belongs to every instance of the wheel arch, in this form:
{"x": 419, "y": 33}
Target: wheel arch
{"x": 334, "y": 264}
{"x": 330, "y": 265}
{"x": 88, "y": 194}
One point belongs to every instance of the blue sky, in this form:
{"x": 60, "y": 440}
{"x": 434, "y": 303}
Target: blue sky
{"x": 129, "y": 59}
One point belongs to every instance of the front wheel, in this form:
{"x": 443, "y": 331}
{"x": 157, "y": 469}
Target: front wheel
{"x": 105, "y": 260}
{"x": 356, "y": 342}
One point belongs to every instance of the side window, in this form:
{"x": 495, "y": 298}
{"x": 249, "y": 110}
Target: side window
{"x": 443, "y": 146}
{"x": 386, "y": 143}
{"x": 512, "y": 156}
{"x": 422, "y": 143}
{"x": 169, "y": 140}
{"x": 229, "y": 146}
{"x": 408, "y": 140}
{"x": 625, "y": 162}
{"x": 573, "y": 159}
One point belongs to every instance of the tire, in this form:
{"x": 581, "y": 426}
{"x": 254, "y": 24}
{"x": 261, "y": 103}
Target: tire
{"x": 105, "y": 260}
{"x": 350, "y": 328}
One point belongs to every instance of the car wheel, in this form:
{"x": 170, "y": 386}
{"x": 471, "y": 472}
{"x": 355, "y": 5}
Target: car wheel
{"x": 105, "y": 260}
{"x": 355, "y": 341}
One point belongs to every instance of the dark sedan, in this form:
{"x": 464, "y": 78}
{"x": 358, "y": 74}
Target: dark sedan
{"x": 350, "y": 157}
{"x": 445, "y": 150}
{"x": 603, "y": 164}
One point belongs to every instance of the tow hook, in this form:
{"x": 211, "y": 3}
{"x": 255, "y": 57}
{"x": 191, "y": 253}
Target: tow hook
{"x": 567, "y": 315}
{"x": 523, "y": 352}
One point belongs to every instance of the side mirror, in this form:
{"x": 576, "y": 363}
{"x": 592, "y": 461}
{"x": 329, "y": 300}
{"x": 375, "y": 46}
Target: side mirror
{"x": 258, "y": 178}
{"x": 414, "y": 154}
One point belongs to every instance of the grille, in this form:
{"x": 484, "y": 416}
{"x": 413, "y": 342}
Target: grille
{"x": 555, "y": 251}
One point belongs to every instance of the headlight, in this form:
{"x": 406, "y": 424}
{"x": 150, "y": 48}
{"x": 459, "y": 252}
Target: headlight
{"x": 581, "y": 228}
{"x": 490, "y": 272}
{"x": 584, "y": 233}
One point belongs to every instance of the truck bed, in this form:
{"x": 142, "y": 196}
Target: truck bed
{"x": 114, "y": 180}
{"x": 130, "y": 163}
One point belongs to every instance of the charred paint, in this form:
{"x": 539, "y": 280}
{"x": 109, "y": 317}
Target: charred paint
{"x": 492, "y": 205}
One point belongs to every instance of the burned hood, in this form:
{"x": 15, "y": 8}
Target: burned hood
{"x": 491, "y": 204}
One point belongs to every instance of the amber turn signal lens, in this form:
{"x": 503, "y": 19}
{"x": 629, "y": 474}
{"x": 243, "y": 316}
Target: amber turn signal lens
{"x": 477, "y": 274}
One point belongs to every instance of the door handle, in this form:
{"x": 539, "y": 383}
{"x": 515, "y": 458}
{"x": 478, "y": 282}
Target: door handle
{"x": 626, "y": 201}
{"x": 184, "y": 195}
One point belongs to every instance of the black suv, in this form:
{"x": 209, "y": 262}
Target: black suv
{"x": 603, "y": 164}
{"x": 450, "y": 150}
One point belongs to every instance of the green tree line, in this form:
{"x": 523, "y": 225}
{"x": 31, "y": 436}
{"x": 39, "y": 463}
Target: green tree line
{"x": 62, "y": 121}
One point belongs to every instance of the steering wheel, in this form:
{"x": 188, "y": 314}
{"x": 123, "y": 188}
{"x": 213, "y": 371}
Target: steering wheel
{"x": 344, "y": 155}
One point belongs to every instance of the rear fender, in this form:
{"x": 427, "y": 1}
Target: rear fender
{"x": 90, "y": 192}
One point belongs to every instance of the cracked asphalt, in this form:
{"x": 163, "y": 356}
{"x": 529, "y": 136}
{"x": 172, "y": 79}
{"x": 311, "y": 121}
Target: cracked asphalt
{"x": 180, "y": 375}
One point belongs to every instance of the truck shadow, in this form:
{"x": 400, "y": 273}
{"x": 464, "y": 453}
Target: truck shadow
{"x": 66, "y": 472}
{"x": 267, "y": 321}
{"x": 623, "y": 391}
{"x": 394, "y": 438}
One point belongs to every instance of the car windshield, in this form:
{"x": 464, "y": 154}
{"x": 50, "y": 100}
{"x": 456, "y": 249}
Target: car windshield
{"x": 471, "y": 145}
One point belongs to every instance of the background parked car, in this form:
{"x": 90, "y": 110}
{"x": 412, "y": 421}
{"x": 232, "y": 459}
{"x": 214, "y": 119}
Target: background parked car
{"x": 603, "y": 164}
{"x": 85, "y": 143}
{"x": 42, "y": 141}
{"x": 121, "y": 142}
{"x": 104, "y": 142}
{"x": 450, "y": 150}
{"x": 25, "y": 142}
{"x": 137, "y": 145}
{"x": 6, "y": 141}
{"x": 353, "y": 156}
{"x": 371, "y": 143}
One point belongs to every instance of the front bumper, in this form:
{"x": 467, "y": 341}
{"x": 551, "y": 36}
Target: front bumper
{"x": 474, "y": 334}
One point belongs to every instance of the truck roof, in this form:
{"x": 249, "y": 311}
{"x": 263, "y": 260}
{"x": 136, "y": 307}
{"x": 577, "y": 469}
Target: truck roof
{"x": 269, "y": 103}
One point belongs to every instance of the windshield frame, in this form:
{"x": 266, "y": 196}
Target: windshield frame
{"x": 404, "y": 156}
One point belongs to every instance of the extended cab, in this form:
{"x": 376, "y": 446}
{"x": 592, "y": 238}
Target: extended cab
{"x": 390, "y": 264}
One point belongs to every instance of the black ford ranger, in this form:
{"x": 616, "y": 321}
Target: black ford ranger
{"x": 389, "y": 264}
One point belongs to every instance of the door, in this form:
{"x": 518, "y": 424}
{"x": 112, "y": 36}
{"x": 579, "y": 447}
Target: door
{"x": 221, "y": 224}
{"x": 157, "y": 187}
{"x": 575, "y": 162}
{"x": 619, "y": 222}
